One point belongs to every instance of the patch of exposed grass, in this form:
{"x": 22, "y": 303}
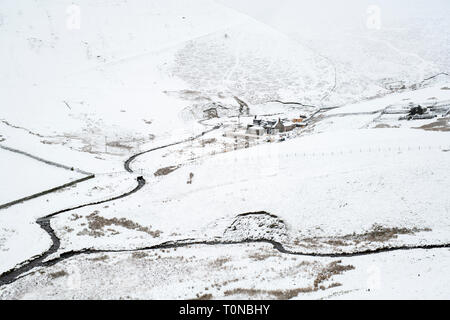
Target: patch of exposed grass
{"x": 206, "y": 296}
{"x": 96, "y": 224}
{"x": 118, "y": 144}
{"x": 278, "y": 294}
{"x": 207, "y": 141}
{"x": 100, "y": 258}
{"x": 139, "y": 254}
{"x": 377, "y": 233}
{"x": 260, "y": 256}
{"x": 332, "y": 269}
{"x": 58, "y": 274}
{"x": 442, "y": 124}
{"x": 325, "y": 273}
{"x": 218, "y": 263}
{"x": 384, "y": 125}
{"x": 75, "y": 217}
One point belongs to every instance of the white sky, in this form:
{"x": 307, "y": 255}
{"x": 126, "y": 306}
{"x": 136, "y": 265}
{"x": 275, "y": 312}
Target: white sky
{"x": 317, "y": 15}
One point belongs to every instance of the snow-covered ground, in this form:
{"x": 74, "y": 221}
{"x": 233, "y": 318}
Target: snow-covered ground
{"x": 250, "y": 271}
{"x": 151, "y": 96}
{"x": 24, "y": 176}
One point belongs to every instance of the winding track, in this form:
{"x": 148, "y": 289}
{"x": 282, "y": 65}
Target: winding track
{"x": 44, "y": 222}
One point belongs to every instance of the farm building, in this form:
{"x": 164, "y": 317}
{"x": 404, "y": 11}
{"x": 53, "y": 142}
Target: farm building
{"x": 260, "y": 127}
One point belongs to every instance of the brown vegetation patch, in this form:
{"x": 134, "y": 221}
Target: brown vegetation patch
{"x": 67, "y": 229}
{"x": 96, "y": 224}
{"x": 332, "y": 269}
{"x": 207, "y": 141}
{"x": 165, "y": 171}
{"x": 278, "y": 294}
{"x": 58, "y": 274}
{"x": 223, "y": 284}
{"x": 118, "y": 144}
{"x": 326, "y": 273}
{"x": 218, "y": 263}
{"x": 75, "y": 217}
{"x": 438, "y": 125}
{"x": 377, "y": 233}
{"x": 48, "y": 142}
{"x": 309, "y": 243}
{"x": 382, "y": 234}
{"x": 100, "y": 258}
{"x": 260, "y": 256}
{"x": 206, "y": 296}
{"x": 139, "y": 255}
{"x": 384, "y": 126}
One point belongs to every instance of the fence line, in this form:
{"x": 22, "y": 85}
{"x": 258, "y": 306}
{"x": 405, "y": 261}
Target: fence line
{"x": 273, "y": 158}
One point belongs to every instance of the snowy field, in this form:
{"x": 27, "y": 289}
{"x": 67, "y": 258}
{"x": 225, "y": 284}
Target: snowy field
{"x": 156, "y": 97}
{"x": 238, "y": 272}
{"x": 23, "y": 176}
